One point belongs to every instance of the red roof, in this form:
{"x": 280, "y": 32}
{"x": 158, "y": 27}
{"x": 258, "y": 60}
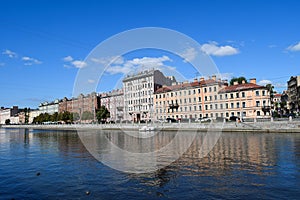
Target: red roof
{"x": 186, "y": 85}
{"x": 240, "y": 87}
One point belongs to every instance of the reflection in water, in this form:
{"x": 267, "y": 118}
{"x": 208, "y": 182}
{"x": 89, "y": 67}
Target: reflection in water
{"x": 239, "y": 166}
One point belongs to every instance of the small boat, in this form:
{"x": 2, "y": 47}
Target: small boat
{"x": 147, "y": 128}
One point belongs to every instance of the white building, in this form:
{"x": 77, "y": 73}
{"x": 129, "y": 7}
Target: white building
{"x": 138, "y": 94}
{"x": 49, "y": 108}
{"x": 32, "y": 115}
{"x": 114, "y": 102}
{"x": 9, "y": 113}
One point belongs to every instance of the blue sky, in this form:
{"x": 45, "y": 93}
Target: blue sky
{"x": 43, "y": 43}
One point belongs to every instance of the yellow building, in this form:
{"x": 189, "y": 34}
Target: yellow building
{"x": 211, "y": 98}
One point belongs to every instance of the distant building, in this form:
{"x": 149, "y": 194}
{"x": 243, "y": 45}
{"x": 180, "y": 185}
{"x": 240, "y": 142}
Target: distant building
{"x": 33, "y": 114}
{"x": 212, "y": 98}
{"x": 293, "y": 92}
{"x": 193, "y": 100}
{"x": 9, "y": 113}
{"x": 49, "y": 107}
{"x": 83, "y": 103}
{"x": 114, "y": 102}
{"x": 138, "y": 94}
{"x": 246, "y": 100}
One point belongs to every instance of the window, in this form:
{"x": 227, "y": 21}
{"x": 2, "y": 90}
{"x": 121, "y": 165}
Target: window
{"x": 171, "y": 94}
{"x": 264, "y": 93}
{"x": 195, "y": 108}
{"x": 226, "y": 105}
{"x": 237, "y": 104}
{"x": 200, "y": 107}
{"x": 226, "y": 96}
{"x": 264, "y": 103}
{"x": 215, "y": 89}
{"x": 195, "y": 99}
{"x": 221, "y": 106}
{"x": 227, "y": 114}
{"x": 206, "y": 107}
{"x": 209, "y": 89}
{"x": 199, "y": 99}
{"x": 244, "y": 104}
{"x": 237, "y": 95}
{"x": 211, "y": 107}
{"x": 257, "y": 93}
{"x": 216, "y": 106}
{"x": 231, "y": 96}
{"x": 257, "y": 103}
{"x": 194, "y": 91}
{"x": 199, "y": 90}
{"x": 232, "y": 106}
{"x": 220, "y": 96}
{"x": 216, "y": 97}
{"x": 189, "y": 92}
{"x": 210, "y": 98}
{"x": 232, "y": 114}
{"x": 244, "y": 114}
{"x": 243, "y": 94}
{"x": 205, "y": 90}
{"x": 205, "y": 98}
{"x": 258, "y": 113}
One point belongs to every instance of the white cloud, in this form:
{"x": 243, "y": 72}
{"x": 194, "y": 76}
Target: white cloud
{"x": 30, "y": 61}
{"x": 78, "y": 64}
{"x": 264, "y": 82}
{"x": 91, "y": 81}
{"x": 10, "y": 53}
{"x": 117, "y": 60}
{"x": 295, "y": 47}
{"x": 189, "y": 54}
{"x": 68, "y": 59}
{"x": 213, "y": 49}
{"x": 140, "y": 64}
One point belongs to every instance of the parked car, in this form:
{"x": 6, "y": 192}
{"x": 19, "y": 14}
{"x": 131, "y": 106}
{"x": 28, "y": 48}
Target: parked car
{"x": 171, "y": 120}
{"x": 234, "y": 118}
{"x": 203, "y": 119}
{"x": 221, "y": 119}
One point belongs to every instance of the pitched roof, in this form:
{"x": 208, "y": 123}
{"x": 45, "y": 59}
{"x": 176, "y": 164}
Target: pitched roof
{"x": 194, "y": 84}
{"x": 240, "y": 87}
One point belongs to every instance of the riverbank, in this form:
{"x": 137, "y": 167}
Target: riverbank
{"x": 257, "y": 127}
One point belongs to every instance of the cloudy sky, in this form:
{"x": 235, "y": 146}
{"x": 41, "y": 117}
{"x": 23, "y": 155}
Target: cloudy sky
{"x": 43, "y": 44}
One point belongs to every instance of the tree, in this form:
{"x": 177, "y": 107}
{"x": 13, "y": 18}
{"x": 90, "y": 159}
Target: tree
{"x": 87, "y": 115}
{"x": 102, "y": 114}
{"x": 270, "y": 88}
{"x": 76, "y": 116}
{"x": 239, "y": 80}
{"x": 7, "y": 121}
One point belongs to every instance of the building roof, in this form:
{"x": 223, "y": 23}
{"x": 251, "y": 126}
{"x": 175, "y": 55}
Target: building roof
{"x": 240, "y": 87}
{"x": 277, "y": 95}
{"x": 186, "y": 85}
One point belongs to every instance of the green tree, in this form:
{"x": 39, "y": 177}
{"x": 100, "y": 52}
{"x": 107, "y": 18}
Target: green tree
{"x": 239, "y": 80}
{"x": 87, "y": 115}
{"x": 54, "y": 117}
{"x": 76, "y": 116}
{"x": 102, "y": 114}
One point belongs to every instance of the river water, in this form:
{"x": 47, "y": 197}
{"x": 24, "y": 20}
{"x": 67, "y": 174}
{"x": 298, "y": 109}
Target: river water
{"x": 45, "y": 164}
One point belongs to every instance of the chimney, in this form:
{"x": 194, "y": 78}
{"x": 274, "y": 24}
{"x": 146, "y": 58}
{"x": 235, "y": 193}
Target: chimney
{"x": 201, "y": 79}
{"x": 253, "y": 80}
{"x": 235, "y": 83}
{"x": 243, "y": 82}
{"x": 195, "y": 80}
{"x": 214, "y": 77}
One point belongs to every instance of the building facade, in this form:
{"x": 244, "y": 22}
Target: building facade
{"x": 293, "y": 92}
{"x": 114, "y": 102}
{"x": 9, "y": 113}
{"x": 189, "y": 100}
{"x": 49, "y": 107}
{"x": 246, "y": 100}
{"x": 83, "y": 103}
{"x": 212, "y": 98}
{"x": 139, "y": 94}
